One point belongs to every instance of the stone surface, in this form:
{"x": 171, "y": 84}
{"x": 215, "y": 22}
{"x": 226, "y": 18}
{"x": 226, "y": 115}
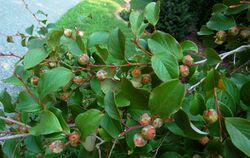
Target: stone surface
{"x": 15, "y": 18}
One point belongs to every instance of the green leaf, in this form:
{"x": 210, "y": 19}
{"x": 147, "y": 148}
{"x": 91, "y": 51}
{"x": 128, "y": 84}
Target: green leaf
{"x": 116, "y": 44}
{"x": 167, "y": 98}
{"x": 136, "y": 21}
{"x": 111, "y": 126}
{"x": 26, "y": 103}
{"x": 48, "y": 124}
{"x": 34, "y": 57}
{"x": 165, "y": 66}
{"x": 5, "y": 99}
{"x": 110, "y": 107}
{"x": 211, "y": 80}
{"x": 121, "y": 101}
{"x": 33, "y": 144}
{"x": 10, "y": 39}
{"x": 170, "y": 154}
{"x": 152, "y": 11}
{"x": 163, "y": 42}
{"x": 81, "y": 44}
{"x": 72, "y": 46}
{"x": 29, "y": 30}
{"x": 87, "y": 122}
{"x": 212, "y": 56}
{"x": 220, "y": 22}
{"x": 182, "y": 120}
{"x": 239, "y": 131}
{"x": 197, "y": 104}
{"x": 205, "y": 31}
{"x": 219, "y": 8}
{"x": 245, "y": 93}
{"x": 189, "y": 45}
{"x": 97, "y": 38}
{"x": 54, "y": 38}
{"x": 11, "y": 148}
{"x": 58, "y": 114}
{"x": 53, "y": 79}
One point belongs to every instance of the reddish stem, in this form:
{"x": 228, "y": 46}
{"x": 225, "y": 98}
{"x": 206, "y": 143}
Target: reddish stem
{"x": 115, "y": 66}
{"x": 129, "y": 129}
{"x": 29, "y": 92}
{"x": 218, "y": 112}
{"x": 142, "y": 49}
{"x": 10, "y": 54}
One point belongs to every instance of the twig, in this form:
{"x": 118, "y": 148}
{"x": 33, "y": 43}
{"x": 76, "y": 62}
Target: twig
{"x": 129, "y": 129}
{"x": 98, "y": 146}
{"x": 15, "y": 136}
{"x": 218, "y": 112}
{"x": 156, "y": 152}
{"x": 237, "y": 69}
{"x": 10, "y": 54}
{"x": 190, "y": 89}
{"x": 116, "y": 66}
{"x": 112, "y": 148}
{"x": 33, "y": 14}
{"x": 142, "y": 49}
{"x": 28, "y": 90}
{"x": 14, "y": 121}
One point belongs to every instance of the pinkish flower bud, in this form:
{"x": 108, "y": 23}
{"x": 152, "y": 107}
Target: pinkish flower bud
{"x": 101, "y": 75}
{"x": 188, "y": 60}
{"x": 148, "y": 132}
{"x": 158, "y": 122}
{"x": 184, "y": 70}
{"x": 56, "y": 146}
{"x": 145, "y": 119}
{"x": 83, "y": 59}
{"x": 210, "y": 116}
{"x": 139, "y": 141}
{"x": 68, "y": 33}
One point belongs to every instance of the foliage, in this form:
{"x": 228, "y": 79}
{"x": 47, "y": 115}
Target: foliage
{"x": 85, "y": 97}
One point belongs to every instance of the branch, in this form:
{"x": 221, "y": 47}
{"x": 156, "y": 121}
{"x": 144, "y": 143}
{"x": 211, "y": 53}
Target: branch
{"x": 28, "y": 90}
{"x": 10, "y": 54}
{"x": 98, "y": 146}
{"x": 142, "y": 49}
{"x": 218, "y": 112}
{"x": 15, "y": 136}
{"x": 237, "y": 69}
{"x": 129, "y": 129}
{"x": 156, "y": 152}
{"x": 33, "y": 14}
{"x": 14, "y": 121}
{"x": 190, "y": 89}
{"x": 113, "y": 146}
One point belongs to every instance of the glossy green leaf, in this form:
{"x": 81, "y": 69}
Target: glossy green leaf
{"x": 30, "y": 30}
{"x": 205, "y": 31}
{"x": 167, "y": 98}
{"x": 212, "y": 56}
{"x": 26, "y": 103}
{"x": 58, "y": 113}
{"x": 163, "y": 42}
{"x": 182, "y": 120}
{"x": 239, "y": 131}
{"x": 219, "y": 8}
{"x": 111, "y": 126}
{"x": 220, "y": 22}
{"x": 165, "y": 66}
{"x": 189, "y": 45}
{"x": 5, "y": 99}
{"x": 97, "y": 38}
{"x": 48, "y": 124}
{"x": 11, "y": 148}
{"x": 197, "y": 104}
{"x": 245, "y": 93}
{"x": 116, "y": 44}
{"x": 53, "y": 79}
{"x": 54, "y": 38}
{"x": 72, "y": 46}
{"x": 121, "y": 101}
{"x": 34, "y": 57}
{"x": 33, "y": 144}
{"x": 110, "y": 107}
{"x": 88, "y": 122}
{"x": 211, "y": 80}
{"x": 152, "y": 11}
{"x": 136, "y": 21}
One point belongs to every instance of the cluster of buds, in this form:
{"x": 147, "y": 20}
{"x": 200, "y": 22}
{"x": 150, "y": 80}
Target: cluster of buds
{"x": 144, "y": 79}
{"x": 148, "y": 132}
{"x": 69, "y": 33}
{"x": 184, "y": 69}
{"x": 57, "y": 146}
{"x": 101, "y": 75}
{"x": 78, "y": 80}
{"x": 220, "y": 37}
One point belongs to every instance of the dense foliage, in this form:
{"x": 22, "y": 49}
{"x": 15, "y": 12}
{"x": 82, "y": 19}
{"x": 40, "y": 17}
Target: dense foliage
{"x": 90, "y": 98}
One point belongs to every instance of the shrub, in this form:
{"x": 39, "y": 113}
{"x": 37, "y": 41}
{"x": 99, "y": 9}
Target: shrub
{"x": 88, "y": 103}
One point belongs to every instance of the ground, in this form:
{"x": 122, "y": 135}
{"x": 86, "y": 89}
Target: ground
{"x": 15, "y": 18}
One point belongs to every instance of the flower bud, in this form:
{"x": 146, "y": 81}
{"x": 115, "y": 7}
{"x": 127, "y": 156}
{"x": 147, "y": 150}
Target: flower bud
{"x": 34, "y": 80}
{"x": 204, "y": 140}
{"x": 80, "y": 33}
{"x": 148, "y": 132}
{"x": 210, "y": 116}
{"x": 136, "y": 72}
{"x": 101, "y": 75}
{"x": 56, "y": 146}
{"x": 146, "y": 79}
{"x": 244, "y": 34}
{"x": 157, "y": 123}
{"x": 74, "y": 138}
{"x": 64, "y": 96}
{"x": 221, "y": 35}
{"x": 145, "y": 119}
{"x": 52, "y": 64}
{"x": 188, "y": 60}
{"x": 184, "y": 70}
{"x": 68, "y": 33}
{"x": 139, "y": 141}
{"x": 233, "y": 31}
{"x": 83, "y": 59}
{"x": 78, "y": 80}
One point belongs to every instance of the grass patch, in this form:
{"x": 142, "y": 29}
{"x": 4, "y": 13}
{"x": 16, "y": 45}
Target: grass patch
{"x": 96, "y": 15}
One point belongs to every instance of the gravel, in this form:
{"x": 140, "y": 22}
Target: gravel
{"x": 15, "y": 18}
